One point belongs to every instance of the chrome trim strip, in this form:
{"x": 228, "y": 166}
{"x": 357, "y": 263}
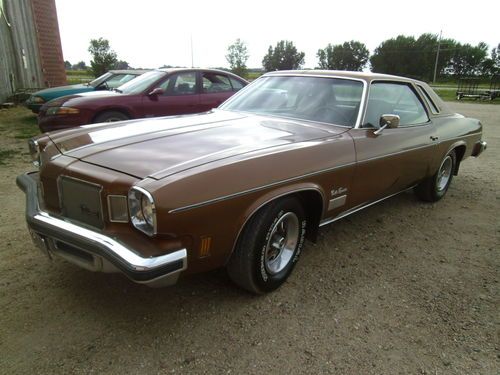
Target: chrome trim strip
{"x": 359, "y": 208}
{"x": 459, "y": 137}
{"x": 244, "y": 192}
{"x": 56, "y": 228}
{"x": 396, "y": 153}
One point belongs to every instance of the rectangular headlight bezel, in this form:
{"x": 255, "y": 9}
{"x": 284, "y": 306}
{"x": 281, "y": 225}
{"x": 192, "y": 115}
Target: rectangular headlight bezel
{"x": 135, "y": 199}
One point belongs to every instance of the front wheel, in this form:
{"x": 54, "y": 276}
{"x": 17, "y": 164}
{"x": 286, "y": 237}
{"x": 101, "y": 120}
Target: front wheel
{"x": 435, "y": 187}
{"x": 269, "y": 246}
{"x": 111, "y": 116}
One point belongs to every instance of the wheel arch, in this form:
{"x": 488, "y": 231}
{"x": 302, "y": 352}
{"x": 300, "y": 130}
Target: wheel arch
{"x": 122, "y": 110}
{"x": 459, "y": 153}
{"x": 313, "y": 201}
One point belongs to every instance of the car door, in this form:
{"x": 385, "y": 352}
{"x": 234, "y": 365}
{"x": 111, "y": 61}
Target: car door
{"x": 216, "y": 88}
{"x": 397, "y": 158}
{"x": 180, "y": 96}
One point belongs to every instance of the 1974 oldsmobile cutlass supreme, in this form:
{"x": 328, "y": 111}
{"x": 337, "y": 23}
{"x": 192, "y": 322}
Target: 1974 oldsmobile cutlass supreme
{"x": 244, "y": 185}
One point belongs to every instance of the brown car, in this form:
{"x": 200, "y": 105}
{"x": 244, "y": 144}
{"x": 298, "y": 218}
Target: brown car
{"x": 244, "y": 185}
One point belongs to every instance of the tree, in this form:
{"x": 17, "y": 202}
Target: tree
{"x": 103, "y": 57}
{"x": 67, "y": 65}
{"x": 468, "y": 60}
{"x": 122, "y": 65}
{"x": 80, "y": 66}
{"x": 395, "y": 56}
{"x": 283, "y": 57}
{"x": 491, "y": 65}
{"x": 237, "y": 56}
{"x": 407, "y": 56}
{"x": 351, "y": 55}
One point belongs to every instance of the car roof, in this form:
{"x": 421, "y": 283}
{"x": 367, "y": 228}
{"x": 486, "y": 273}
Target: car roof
{"x": 129, "y": 71}
{"x": 369, "y": 76}
{"x": 172, "y": 70}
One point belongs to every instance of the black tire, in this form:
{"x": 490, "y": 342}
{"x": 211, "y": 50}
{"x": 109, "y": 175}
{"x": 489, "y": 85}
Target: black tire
{"x": 111, "y": 116}
{"x": 433, "y": 188}
{"x": 250, "y": 265}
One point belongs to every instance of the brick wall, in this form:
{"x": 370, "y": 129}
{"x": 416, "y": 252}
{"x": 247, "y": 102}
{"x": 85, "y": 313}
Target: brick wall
{"x": 49, "y": 42}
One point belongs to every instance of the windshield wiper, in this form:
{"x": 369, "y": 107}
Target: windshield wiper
{"x": 118, "y": 90}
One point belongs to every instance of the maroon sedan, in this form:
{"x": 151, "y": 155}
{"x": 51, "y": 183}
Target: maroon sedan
{"x": 161, "y": 92}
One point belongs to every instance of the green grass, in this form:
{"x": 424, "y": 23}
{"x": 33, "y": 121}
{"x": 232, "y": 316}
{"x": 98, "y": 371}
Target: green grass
{"x": 5, "y": 155}
{"x": 18, "y": 123}
{"x": 250, "y": 76}
{"x": 450, "y": 95}
{"x": 78, "y": 76}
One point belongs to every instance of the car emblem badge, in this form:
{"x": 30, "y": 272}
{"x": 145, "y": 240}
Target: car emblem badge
{"x": 338, "y": 191}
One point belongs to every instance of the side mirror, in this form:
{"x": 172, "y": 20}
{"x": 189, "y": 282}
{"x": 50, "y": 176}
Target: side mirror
{"x": 157, "y": 91}
{"x": 387, "y": 121}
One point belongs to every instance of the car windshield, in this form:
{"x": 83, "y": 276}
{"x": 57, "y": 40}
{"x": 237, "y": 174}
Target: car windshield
{"x": 141, "y": 83}
{"x": 96, "y": 82}
{"x": 330, "y": 100}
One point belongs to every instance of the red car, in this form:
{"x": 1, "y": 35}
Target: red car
{"x": 161, "y": 92}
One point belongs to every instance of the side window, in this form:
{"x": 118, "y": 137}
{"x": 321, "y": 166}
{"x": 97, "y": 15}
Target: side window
{"x": 180, "y": 84}
{"x": 115, "y": 81}
{"x": 213, "y": 83}
{"x": 397, "y": 99}
{"x": 237, "y": 85}
{"x": 431, "y": 103}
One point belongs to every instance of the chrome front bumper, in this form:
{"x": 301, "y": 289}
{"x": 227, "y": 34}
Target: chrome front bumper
{"x": 93, "y": 250}
{"x": 479, "y": 148}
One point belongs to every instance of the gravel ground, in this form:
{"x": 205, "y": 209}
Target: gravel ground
{"x": 402, "y": 287}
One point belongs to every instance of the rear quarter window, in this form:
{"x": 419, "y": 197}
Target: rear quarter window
{"x": 434, "y": 108}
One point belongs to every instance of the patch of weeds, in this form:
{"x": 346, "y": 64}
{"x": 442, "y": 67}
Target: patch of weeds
{"x": 26, "y": 132}
{"x": 5, "y": 155}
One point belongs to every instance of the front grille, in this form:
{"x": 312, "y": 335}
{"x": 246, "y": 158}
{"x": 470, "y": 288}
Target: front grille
{"x": 81, "y": 201}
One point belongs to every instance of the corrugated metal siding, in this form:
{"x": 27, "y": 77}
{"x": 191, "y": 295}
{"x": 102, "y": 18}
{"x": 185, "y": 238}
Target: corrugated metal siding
{"x": 7, "y": 60}
{"x": 21, "y": 64}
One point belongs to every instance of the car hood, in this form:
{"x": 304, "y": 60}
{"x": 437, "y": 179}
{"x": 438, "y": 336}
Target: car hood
{"x": 160, "y": 147}
{"x": 63, "y": 90}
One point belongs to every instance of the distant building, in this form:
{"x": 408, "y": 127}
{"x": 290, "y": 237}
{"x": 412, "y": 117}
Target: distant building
{"x": 30, "y": 46}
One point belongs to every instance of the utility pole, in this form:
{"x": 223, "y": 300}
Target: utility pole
{"x": 437, "y": 56}
{"x": 192, "y": 58}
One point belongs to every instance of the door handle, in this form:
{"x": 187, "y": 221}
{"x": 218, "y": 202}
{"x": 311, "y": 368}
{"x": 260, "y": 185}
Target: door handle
{"x": 434, "y": 138}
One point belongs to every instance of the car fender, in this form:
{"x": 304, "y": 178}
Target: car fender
{"x": 270, "y": 196}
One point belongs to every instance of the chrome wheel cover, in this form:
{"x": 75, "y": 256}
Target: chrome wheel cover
{"x": 444, "y": 174}
{"x": 282, "y": 242}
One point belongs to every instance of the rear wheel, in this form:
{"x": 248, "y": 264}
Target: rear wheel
{"x": 434, "y": 188}
{"x": 111, "y": 116}
{"x": 269, "y": 246}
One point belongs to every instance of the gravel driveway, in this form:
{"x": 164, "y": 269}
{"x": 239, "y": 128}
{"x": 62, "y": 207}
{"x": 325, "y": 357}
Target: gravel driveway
{"x": 402, "y": 287}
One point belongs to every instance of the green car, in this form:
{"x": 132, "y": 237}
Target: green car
{"x": 108, "y": 81}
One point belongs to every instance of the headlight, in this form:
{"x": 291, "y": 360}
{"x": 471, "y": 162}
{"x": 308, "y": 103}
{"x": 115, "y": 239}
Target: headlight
{"x": 142, "y": 210}
{"x": 37, "y": 99}
{"x": 34, "y": 149}
{"x": 52, "y": 111}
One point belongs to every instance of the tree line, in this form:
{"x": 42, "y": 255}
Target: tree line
{"x": 403, "y": 55}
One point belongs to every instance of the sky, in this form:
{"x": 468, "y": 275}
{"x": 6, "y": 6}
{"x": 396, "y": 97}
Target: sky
{"x": 152, "y": 33}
